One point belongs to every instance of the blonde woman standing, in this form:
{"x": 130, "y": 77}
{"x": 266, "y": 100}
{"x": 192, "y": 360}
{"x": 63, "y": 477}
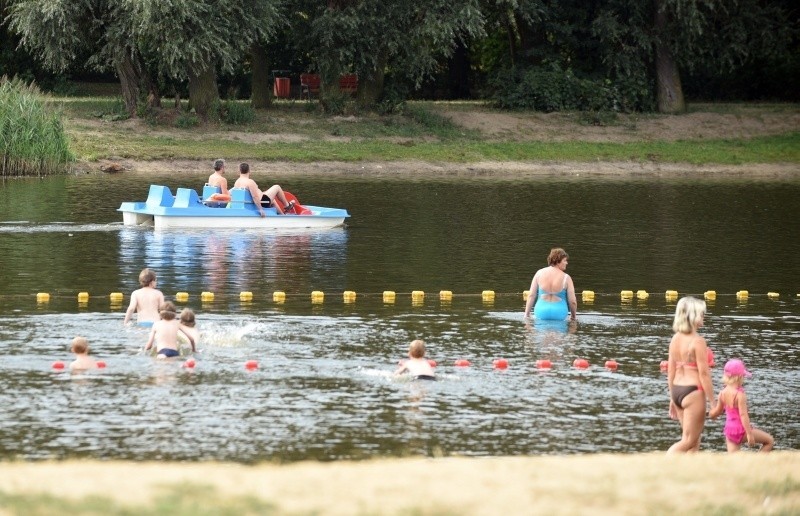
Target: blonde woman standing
{"x": 688, "y": 376}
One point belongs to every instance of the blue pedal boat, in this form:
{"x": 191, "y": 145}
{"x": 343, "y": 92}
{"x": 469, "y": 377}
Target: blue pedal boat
{"x": 186, "y": 209}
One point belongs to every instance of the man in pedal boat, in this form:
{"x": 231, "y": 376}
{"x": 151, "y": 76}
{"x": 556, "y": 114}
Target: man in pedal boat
{"x": 265, "y": 198}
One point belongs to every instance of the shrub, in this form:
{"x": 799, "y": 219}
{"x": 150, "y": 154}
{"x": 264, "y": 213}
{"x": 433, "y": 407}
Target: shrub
{"x": 238, "y": 113}
{"x": 554, "y": 89}
{"x": 187, "y": 120}
{"x": 32, "y": 139}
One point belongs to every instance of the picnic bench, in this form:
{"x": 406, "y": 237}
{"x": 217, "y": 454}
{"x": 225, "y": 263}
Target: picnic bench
{"x": 348, "y": 83}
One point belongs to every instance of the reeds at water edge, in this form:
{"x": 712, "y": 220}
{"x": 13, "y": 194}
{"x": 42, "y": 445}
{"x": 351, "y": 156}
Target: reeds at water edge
{"x": 32, "y": 138}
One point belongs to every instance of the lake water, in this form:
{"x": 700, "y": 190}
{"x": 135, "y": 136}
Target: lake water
{"x": 324, "y": 388}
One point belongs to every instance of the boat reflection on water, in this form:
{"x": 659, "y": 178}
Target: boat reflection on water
{"x": 231, "y": 261}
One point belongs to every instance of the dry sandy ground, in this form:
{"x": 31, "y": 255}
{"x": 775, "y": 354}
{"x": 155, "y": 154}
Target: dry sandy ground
{"x": 744, "y": 483}
{"x": 740, "y": 121}
{"x": 485, "y": 169}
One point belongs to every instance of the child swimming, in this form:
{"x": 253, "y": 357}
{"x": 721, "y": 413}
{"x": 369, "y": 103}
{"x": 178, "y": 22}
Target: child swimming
{"x": 165, "y": 333}
{"x": 82, "y": 362}
{"x": 416, "y": 365}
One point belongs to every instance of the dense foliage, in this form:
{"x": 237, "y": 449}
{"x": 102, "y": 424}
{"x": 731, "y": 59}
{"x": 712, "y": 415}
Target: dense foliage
{"x": 32, "y": 140}
{"x": 617, "y": 55}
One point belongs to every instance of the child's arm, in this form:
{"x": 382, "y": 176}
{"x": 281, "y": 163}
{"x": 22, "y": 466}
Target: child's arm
{"x": 191, "y": 340}
{"x": 131, "y": 308}
{"x": 741, "y": 400}
{"x": 150, "y": 339}
{"x": 403, "y": 368}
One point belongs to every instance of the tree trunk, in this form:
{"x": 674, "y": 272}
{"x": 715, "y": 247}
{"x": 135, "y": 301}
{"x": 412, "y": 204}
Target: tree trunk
{"x": 669, "y": 93}
{"x": 203, "y": 92}
{"x": 459, "y": 67}
{"x": 129, "y": 81}
{"x": 261, "y": 96}
{"x": 370, "y": 88}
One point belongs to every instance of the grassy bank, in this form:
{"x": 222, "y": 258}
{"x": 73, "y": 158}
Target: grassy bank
{"x": 297, "y": 132}
{"x": 704, "y": 483}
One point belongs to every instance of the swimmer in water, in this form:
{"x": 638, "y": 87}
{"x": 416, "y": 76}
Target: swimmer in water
{"x": 165, "y": 333}
{"x": 417, "y": 365}
{"x": 145, "y": 301}
{"x": 82, "y": 362}
{"x": 189, "y": 328}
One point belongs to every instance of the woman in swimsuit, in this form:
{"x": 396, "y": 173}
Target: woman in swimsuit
{"x": 552, "y": 290}
{"x": 688, "y": 377}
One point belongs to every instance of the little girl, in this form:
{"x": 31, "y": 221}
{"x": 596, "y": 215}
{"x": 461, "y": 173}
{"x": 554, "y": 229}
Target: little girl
{"x": 734, "y": 401}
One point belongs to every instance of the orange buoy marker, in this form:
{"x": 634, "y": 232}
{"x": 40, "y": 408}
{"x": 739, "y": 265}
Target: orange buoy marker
{"x": 462, "y": 362}
{"x": 710, "y": 357}
{"x": 190, "y": 363}
{"x": 611, "y": 365}
{"x": 500, "y": 363}
{"x": 580, "y": 363}
{"x": 664, "y": 365}
{"x": 251, "y": 365}
{"x": 432, "y": 362}
{"x": 58, "y": 364}
{"x": 544, "y": 364}
{"x": 100, "y": 364}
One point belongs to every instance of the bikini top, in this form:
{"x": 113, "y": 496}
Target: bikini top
{"x": 687, "y": 363}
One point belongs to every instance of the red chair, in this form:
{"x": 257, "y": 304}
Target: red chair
{"x": 309, "y": 84}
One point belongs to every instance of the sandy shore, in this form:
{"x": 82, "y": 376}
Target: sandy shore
{"x": 485, "y": 169}
{"x": 745, "y": 483}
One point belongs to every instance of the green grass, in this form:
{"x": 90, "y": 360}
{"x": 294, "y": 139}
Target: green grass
{"x": 177, "y": 500}
{"x": 189, "y": 145}
{"x": 419, "y": 133}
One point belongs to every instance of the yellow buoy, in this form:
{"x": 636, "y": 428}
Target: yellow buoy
{"x": 418, "y": 294}
{"x": 115, "y": 297}
{"x": 487, "y": 295}
{"x": 245, "y": 296}
{"x": 83, "y": 297}
{"x": 279, "y": 296}
{"x": 42, "y": 297}
{"x": 349, "y": 296}
{"x": 526, "y": 294}
{"x": 388, "y": 296}
{"x": 207, "y": 296}
{"x": 587, "y": 295}
{"x": 671, "y": 294}
{"x": 742, "y": 294}
{"x": 642, "y": 294}
{"x": 182, "y": 297}
{"x": 446, "y": 295}
{"x": 773, "y": 295}
{"x": 710, "y": 295}
{"x": 626, "y": 294}
{"x": 317, "y": 296}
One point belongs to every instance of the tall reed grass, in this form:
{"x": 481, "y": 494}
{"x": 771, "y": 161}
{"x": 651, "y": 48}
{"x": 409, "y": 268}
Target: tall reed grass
{"x": 32, "y": 138}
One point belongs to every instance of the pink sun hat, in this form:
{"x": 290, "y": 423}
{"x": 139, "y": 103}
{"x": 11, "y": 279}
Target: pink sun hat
{"x": 736, "y": 367}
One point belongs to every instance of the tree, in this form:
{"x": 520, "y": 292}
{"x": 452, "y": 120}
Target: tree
{"x": 193, "y": 39}
{"x": 369, "y": 37}
{"x": 58, "y": 31}
{"x": 184, "y": 39}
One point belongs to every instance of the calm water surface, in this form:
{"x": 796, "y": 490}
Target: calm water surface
{"x": 324, "y": 388}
